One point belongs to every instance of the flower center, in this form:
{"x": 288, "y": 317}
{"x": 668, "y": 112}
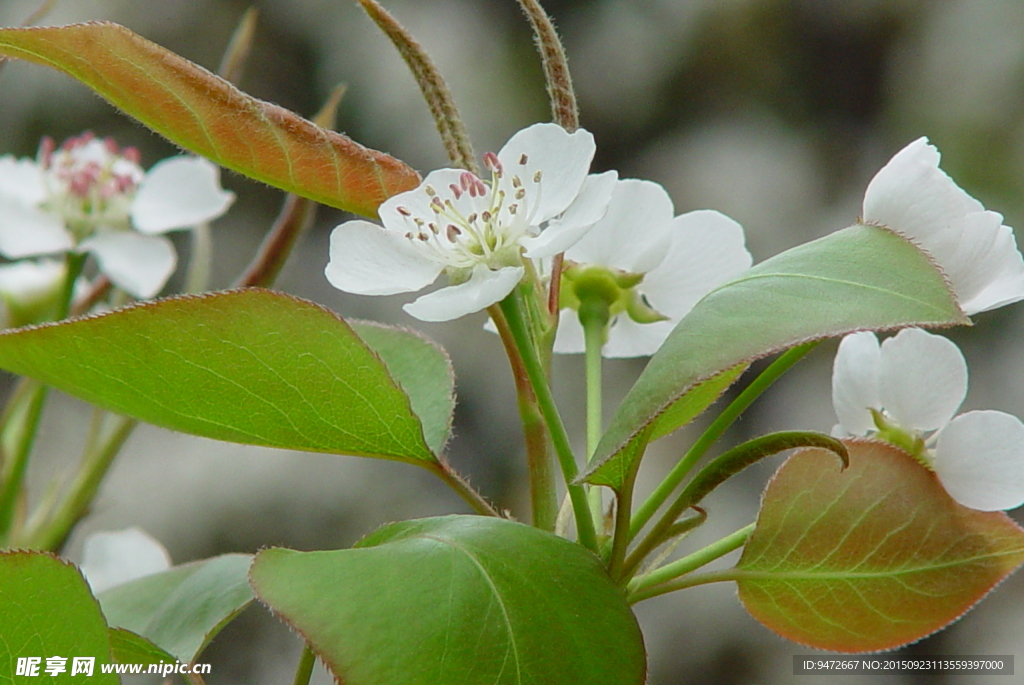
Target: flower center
{"x": 91, "y": 182}
{"x": 475, "y": 222}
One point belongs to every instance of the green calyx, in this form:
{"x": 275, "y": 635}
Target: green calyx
{"x": 597, "y": 289}
{"x": 909, "y": 441}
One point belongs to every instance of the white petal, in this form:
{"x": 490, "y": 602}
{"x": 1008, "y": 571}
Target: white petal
{"x": 26, "y": 231}
{"x": 136, "y": 263}
{"x": 627, "y": 338}
{"x": 707, "y": 249}
{"x": 369, "y": 260}
{"x": 569, "y": 338}
{"x": 27, "y": 280}
{"x": 561, "y": 234}
{"x": 179, "y": 192}
{"x": 922, "y": 379}
{"x": 484, "y": 288}
{"x": 397, "y": 212}
{"x": 111, "y": 558}
{"x": 22, "y": 179}
{"x": 913, "y": 197}
{"x": 562, "y": 158}
{"x": 979, "y": 458}
{"x": 855, "y": 382}
{"x": 634, "y": 234}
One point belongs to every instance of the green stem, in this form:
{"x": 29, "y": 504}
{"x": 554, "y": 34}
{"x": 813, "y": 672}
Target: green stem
{"x": 594, "y": 323}
{"x": 543, "y": 493}
{"x": 682, "y": 584}
{"x": 715, "y": 431}
{"x": 639, "y": 586}
{"x": 623, "y": 509}
{"x": 18, "y": 434}
{"x": 200, "y": 261}
{"x": 73, "y": 268}
{"x": 462, "y": 488}
{"x": 512, "y": 308}
{"x": 83, "y": 489}
{"x": 305, "y": 668}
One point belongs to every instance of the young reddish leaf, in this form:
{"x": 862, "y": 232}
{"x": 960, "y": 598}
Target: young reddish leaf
{"x": 872, "y": 557}
{"x": 206, "y": 114}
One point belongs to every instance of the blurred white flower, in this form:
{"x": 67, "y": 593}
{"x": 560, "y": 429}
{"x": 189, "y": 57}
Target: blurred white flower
{"x": 538, "y": 202}
{"x": 650, "y": 266}
{"x": 914, "y": 198}
{"x": 29, "y": 289}
{"x": 907, "y": 391}
{"x": 89, "y": 195}
{"x": 110, "y": 558}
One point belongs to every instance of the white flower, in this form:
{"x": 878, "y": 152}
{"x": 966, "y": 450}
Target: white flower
{"x": 28, "y": 286}
{"x": 908, "y": 389}
{"x": 914, "y": 198}
{"x": 679, "y": 259}
{"x": 538, "y": 202}
{"x": 88, "y": 195}
{"x": 110, "y": 558}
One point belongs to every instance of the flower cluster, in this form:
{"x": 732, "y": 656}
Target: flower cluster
{"x": 89, "y": 195}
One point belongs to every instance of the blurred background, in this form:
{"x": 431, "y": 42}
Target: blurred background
{"x": 776, "y": 112}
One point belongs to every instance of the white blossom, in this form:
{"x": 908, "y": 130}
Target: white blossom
{"x": 90, "y": 196}
{"x": 978, "y": 254}
{"x": 907, "y": 390}
{"x": 538, "y": 202}
{"x": 113, "y": 557}
{"x": 676, "y": 261}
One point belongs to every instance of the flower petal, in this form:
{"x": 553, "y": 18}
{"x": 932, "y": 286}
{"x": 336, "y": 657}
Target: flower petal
{"x": 27, "y": 280}
{"x": 561, "y": 158}
{"x": 855, "y": 382}
{"x": 111, "y": 558}
{"x": 179, "y": 192}
{"x": 26, "y": 231}
{"x": 136, "y": 263}
{"x": 561, "y": 234}
{"x": 627, "y": 338}
{"x": 979, "y": 458}
{"x": 913, "y": 197}
{"x": 369, "y": 260}
{"x": 484, "y": 288}
{"x": 634, "y": 234}
{"x": 22, "y": 179}
{"x": 569, "y": 338}
{"x": 922, "y": 379}
{"x": 397, "y": 212}
{"x": 707, "y": 249}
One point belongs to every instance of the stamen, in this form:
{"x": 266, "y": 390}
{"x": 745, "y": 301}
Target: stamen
{"x": 452, "y": 233}
{"x": 523, "y": 159}
{"x": 492, "y": 164}
{"x": 536, "y": 177}
{"x": 404, "y": 211}
{"x": 456, "y": 191}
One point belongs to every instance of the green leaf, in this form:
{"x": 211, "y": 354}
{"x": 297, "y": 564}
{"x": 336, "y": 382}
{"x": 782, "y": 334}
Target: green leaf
{"x": 693, "y": 403}
{"x": 422, "y": 369}
{"x": 129, "y": 648}
{"x": 207, "y": 115}
{"x": 870, "y": 558}
{"x": 47, "y": 610}
{"x": 181, "y": 609}
{"x": 860, "y": 278}
{"x": 459, "y": 600}
{"x": 250, "y": 366}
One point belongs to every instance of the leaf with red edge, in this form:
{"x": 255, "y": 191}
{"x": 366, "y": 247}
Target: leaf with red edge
{"x": 869, "y": 558}
{"x": 206, "y": 114}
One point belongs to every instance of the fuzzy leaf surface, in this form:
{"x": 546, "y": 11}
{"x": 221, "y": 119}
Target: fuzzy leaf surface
{"x": 204, "y": 113}
{"x": 47, "y": 610}
{"x": 181, "y": 609}
{"x": 869, "y": 558}
{"x": 249, "y": 366}
{"x": 458, "y": 600}
{"x": 859, "y": 278}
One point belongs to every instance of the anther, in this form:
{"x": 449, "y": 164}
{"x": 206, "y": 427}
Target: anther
{"x": 452, "y": 233}
{"x": 403, "y": 211}
{"x": 536, "y": 177}
{"x": 523, "y": 159}
{"x": 492, "y": 164}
